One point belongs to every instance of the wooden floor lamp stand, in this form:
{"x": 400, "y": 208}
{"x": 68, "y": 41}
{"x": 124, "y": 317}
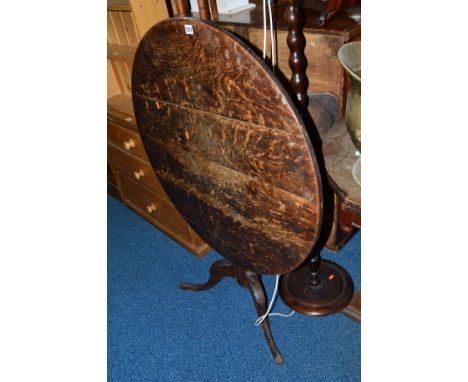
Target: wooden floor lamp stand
{"x": 224, "y": 268}
{"x": 318, "y": 288}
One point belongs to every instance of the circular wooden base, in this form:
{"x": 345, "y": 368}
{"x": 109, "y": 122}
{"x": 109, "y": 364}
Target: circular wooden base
{"x": 330, "y": 296}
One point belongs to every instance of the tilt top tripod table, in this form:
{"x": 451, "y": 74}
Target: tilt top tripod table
{"x": 231, "y": 151}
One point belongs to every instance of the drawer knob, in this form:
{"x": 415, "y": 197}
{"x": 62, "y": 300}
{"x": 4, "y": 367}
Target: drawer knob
{"x": 151, "y": 207}
{"x": 129, "y": 144}
{"x": 138, "y": 174}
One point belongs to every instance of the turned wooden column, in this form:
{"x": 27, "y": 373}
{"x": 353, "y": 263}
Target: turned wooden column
{"x": 182, "y": 7}
{"x": 297, "y": 59}
{"x": 214, "y": 9}
{"x": 203, "y": 9}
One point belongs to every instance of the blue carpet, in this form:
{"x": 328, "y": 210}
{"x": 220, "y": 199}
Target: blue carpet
{"x": 156, "y": 332}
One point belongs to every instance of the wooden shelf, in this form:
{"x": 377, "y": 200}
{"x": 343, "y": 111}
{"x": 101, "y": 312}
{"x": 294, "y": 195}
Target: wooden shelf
{"x": 119, "y": 5}
{"x": 339, "y": 25}
{"x": 120, "y": 104}
{"x": 119, "y": 8}
{"x": 123, "y": 53}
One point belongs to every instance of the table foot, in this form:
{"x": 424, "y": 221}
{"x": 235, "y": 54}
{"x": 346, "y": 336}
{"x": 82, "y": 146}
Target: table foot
{"x": 224, "y": 268}
{"x": 258, "y": 295}
{"x": 219, "y": 270}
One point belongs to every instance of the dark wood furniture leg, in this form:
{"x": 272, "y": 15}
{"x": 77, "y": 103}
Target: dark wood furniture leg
{"x": 343, "y": 226}
{"x": 258, "y": 295}
{"x": 353, "y": 310}
{"x": 224, "y": 268}
{"x": 219, "y": 270}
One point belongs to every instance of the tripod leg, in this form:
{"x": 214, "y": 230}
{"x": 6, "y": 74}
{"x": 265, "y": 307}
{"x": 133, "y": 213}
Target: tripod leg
{"x": 258, "y": 295}
{"x": 219, "y": 270}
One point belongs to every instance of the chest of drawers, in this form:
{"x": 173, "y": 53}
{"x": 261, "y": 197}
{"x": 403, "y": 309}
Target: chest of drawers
{"x": 137, "y": 183}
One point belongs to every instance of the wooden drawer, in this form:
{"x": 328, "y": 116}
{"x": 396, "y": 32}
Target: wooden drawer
{"x": 120, "y": 110}
{"x": 122, "y": 119}
{"x": 141, "y": 171}
{"x": 126, "y": 140}
{"x": 152, "y": 205}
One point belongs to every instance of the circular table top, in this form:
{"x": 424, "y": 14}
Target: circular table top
{"x": 227, "y": 145}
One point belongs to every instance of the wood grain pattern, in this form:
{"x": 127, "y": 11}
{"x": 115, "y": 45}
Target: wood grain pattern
{"x": 265, "y": 151}
{"x": 128, "y": 21}
{"x": 324, "y": 71}
{"x": 227, "y": 145}
{"x": 121, "y": 29}
{"x": 122, "y": 74}
{"x": 123, "y": 53}
{"x": 235, "y": 87}
{"x": 147, "y": 13}
{"x": 113, "y": 88}
{"x": 122, "y": 39}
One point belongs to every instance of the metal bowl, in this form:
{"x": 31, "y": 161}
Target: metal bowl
{"x": 349, "y": 56}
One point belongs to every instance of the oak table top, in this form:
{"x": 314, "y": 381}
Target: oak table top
{"x": 227, "y": 145}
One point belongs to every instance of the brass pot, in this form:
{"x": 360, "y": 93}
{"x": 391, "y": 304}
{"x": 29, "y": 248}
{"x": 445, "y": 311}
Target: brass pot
{"x": 350, "y": 58}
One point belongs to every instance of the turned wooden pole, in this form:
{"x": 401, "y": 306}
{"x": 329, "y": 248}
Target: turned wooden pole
{"x": 182, "y": 7}
{"x": 214, "y": 9}
{"x": 203, "y": 9}
{"x": 297, "y": 59}
{"x": 314, "y": 268}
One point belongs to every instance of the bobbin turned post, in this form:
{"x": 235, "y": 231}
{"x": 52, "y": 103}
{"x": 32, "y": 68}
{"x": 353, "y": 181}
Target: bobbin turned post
{"x": 317, "y": 287}
{"x": 314, "y": 267}
{"x": 297, "y": 60}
